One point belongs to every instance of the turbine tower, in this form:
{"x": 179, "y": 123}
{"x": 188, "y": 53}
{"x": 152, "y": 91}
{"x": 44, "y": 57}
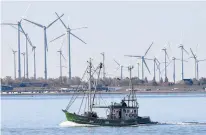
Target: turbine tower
{"x": 33, "y": 49}
{"x": 138, "y": 69}
{"x": 174, "y": 77}
{"x": 183, "y": 50}
{"x": 166, "y": 56}
{"x": 68, "y": 33}
{"x": 24, "y": 62}
{"x": 143, "y": 60}
{"x": 45, "y": 41}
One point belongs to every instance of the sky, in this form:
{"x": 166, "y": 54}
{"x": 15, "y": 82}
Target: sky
{"x": 116, "y": 28}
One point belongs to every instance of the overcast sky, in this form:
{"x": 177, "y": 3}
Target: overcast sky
{"x": 116, "y": 28}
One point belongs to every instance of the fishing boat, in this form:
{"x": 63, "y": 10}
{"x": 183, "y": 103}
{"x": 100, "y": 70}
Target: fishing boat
{"x": 124, "y": 113}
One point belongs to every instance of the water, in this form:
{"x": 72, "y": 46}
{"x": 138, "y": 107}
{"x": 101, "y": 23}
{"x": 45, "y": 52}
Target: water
{"x": 42, "y": 115}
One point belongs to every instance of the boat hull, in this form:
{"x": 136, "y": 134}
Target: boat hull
{"x": 106, "y": 122}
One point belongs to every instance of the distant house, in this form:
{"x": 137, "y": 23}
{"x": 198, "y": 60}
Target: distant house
{"x": 188, "y": 81}
{"x": 30, "y": 84}
{"x": 6, "y": 88}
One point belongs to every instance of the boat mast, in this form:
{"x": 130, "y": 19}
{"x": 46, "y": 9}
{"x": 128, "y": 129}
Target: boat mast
{"x": 90, "y": 77}
{"x": 130, "y": 83}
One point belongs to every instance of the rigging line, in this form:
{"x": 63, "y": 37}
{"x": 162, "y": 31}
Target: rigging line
{"x": 70, "y": 102}
{"x": 81, "y": 104}
{"x": 102, "y": 99}
{"x": 74, "y": 98}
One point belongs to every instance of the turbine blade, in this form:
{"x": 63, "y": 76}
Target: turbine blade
{"x": 146, "y": 65}
{"x": 63, "y": 56}
{"x": 167, "y": 55}
{"x": 133, "y": 56}
{"x": 116, "y": 62}
{"x": 148, "y": 59}
{"x": 169, "y": 63}
{"x": 148, "y": 49}
{"x": 54, "y": 21}
{"x": 80, "y": 28}
{"x": 77, "y": 37}
{"x": 192, "y": 53}
{"x": 11, "y": 48}
{"x": 156, "y": 64}
{"x": 33, "y": 48}
{"x": 157, "y": 61}
{"x": 185, "y": 50}
{"x": 8, "y": 24}
{"x": 61, "y": 20}
{"x": 117, "y": 69}
{"x": 57, "y": 37}
{"x": 34, "y": 23}
{"x": 25, "y": 12}
{"x": 22, "y": 30}
{"x": 61, "y": 46}
{"x": 29, "y": 41}
{"x": 202, "y": 60}
{"x": 196, "y": 49}
{"x": 16, "y": 28}
{"x": 177, "y": 59}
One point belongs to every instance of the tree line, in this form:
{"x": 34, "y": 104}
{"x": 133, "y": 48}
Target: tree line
{"x": 107, "y": 81}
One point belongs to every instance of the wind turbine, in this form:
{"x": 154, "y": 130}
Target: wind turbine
{"x": 198, "y": 67}
{"x": 18, "y": 36}
{"x": 60, "y": 60}
{"x": 143, "y": 60}
{"x": 68, "y": 33}
{"x": 24, "y": 62}
{"x": 14, "y": 53}
{"x": 183, "y": 50}
{"x": 196, "y": 64}
{"x": 156, "y": 62}
{"x": 121, "y": 68}
{"x": 195, "y": 58}
{"x": 45, "y": 41}
{"x": 166, "y": 56}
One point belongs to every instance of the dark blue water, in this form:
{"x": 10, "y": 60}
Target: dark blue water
{"x": 42, "y": 115}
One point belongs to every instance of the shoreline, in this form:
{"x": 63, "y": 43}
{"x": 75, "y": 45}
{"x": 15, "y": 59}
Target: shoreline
{"x": 105, "y": 93}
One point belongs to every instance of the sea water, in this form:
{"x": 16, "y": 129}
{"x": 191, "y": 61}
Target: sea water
{"x": 42, "y": 115}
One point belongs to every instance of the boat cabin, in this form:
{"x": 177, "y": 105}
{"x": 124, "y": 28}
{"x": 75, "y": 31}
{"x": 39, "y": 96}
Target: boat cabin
{"x": 122, "y": 111}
